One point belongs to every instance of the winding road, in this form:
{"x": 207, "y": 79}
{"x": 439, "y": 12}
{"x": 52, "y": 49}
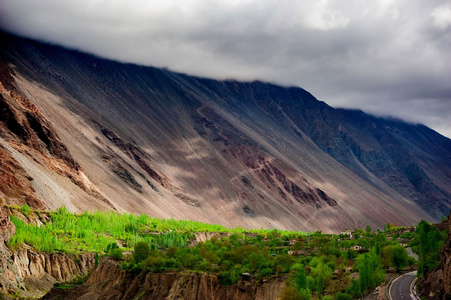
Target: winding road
{"x": 402, "y": 287}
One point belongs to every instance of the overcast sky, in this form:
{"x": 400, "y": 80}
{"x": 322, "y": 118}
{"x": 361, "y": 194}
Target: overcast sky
{"x": 384, "y": 57}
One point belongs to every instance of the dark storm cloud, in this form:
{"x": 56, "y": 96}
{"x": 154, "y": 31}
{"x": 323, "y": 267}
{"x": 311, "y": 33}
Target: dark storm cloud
{"x": 384, "y": 57}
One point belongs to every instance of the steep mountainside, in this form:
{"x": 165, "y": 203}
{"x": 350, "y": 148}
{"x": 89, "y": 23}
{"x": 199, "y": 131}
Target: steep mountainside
{"x": 93, "y": 133}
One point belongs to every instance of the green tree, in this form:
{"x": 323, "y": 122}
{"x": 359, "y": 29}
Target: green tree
{"x": 321, "y": 273}
{"x": 429, "y": 240}
{"x": 285, "y": 261}
{"x": 370, "y": 272}
{"x": 305, "y": 294}
{"x": 398, "y": 257}
{"x": 141, "y": 251}
{"x": 299, "y": 245}
{"x": 342, "y": 296}
{"x": 300, "y": 278}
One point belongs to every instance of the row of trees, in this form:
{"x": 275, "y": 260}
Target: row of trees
{"x": 427, "y": 245}
{"x": 324, "y": 267}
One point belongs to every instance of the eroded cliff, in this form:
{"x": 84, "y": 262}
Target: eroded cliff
{"x": 30, "y": 273}
{"x": 108, "y": 281}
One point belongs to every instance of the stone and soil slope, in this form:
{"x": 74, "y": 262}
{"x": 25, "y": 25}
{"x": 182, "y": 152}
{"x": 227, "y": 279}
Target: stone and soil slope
{"x": 91, "y": 133}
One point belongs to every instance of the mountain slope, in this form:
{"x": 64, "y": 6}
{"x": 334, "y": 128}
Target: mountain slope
{"x": 148, "y": 140}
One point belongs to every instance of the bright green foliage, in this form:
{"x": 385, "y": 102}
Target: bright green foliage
{"x": 301, "y": 284}
{"x": 93, "y": 231}
{"x": 25, "y": 209}
{"x": 305, "y": 294}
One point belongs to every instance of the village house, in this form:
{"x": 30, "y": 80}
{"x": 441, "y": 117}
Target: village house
{"x": 347, "y": 233}
{"x": 357, "y": 248}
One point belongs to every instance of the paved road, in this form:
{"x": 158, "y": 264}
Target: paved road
{"x": 402, "y": 287}
{"x": 409, "y": 251}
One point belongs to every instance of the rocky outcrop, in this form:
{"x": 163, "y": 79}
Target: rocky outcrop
{"x": 24, "y": 128}
{"x": 135, "y": 153}
{"x": 108, "y": 281}
{"x": 30, "y": 273}
{"x": 23, "y": 119}
{"x": 15, "y": 183}
{"x": 121, "y": 171}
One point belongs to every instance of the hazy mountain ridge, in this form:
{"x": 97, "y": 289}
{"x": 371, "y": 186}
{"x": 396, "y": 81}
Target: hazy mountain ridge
{"x": 234, "y": 153}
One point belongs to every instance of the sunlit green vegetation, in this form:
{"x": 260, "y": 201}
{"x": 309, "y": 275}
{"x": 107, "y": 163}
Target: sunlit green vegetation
{"x": 94, "y": 231}
{"x": 317, "y": 265}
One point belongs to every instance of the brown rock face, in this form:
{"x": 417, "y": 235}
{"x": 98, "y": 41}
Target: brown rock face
{"x": 15, "y": 183}
{"x": 7, "y": 228}
{"x": 108, "y": 281}
{"x": 22, "y": 118}
{"x": 24, "y": 129}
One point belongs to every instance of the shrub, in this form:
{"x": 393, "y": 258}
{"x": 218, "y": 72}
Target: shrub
{"x": 153, "y": 263}
{"x": 141, "y": 251}
{"x": 25, "y": 209}
{"x": 116, "y": 254}
{"x": 342, "y": 296}
{"x": 290, "y": 293}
